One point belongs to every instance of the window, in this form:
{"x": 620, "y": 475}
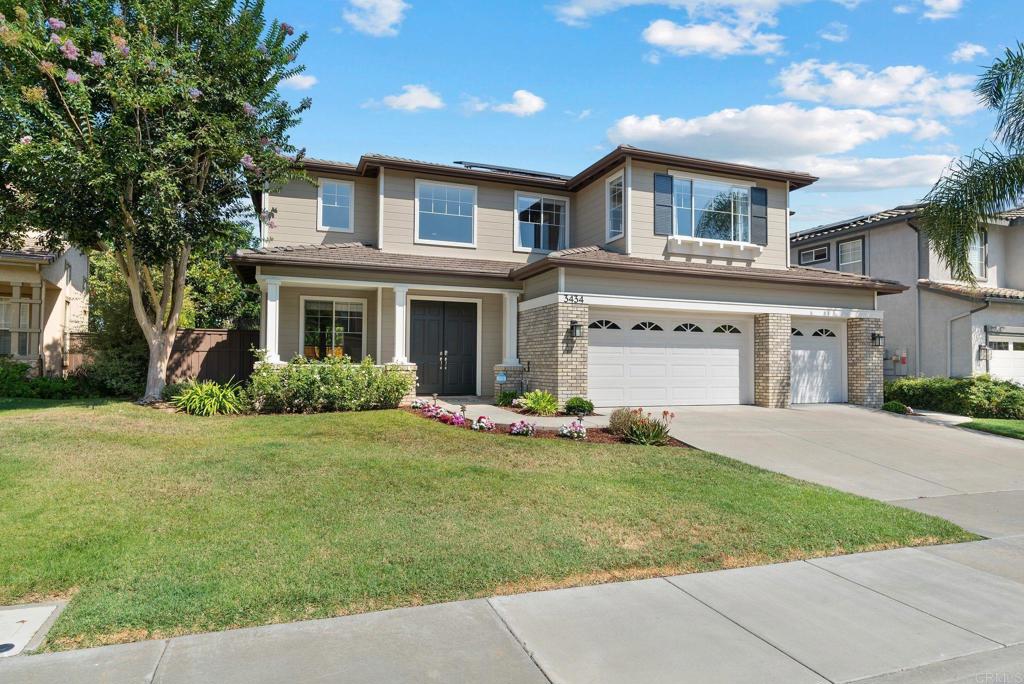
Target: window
{"x": 823, "y": 332}
{"x": 445, "y": 214}
{"x": 1018, "y": 346}
{"x": 335, "y": 205}
{"x": 851, "y": 256}
{"x": 711, "y": 209}
{"x": 731, "y": 329}
{"x": 976, "y": 254}
{"x": 646, "y": 325}
{"x": 813, "y": 255}
{"x": 688, "y": 327}
{"x": 604, "y": 325}
{"x": 999, "y": 346}
{"x": 614, "y": 203}
{"x": 14, "y": 317}
{"x": 542, "y": 223}
{"x": 332, "y": 327}
{"x": 796, "y": 332}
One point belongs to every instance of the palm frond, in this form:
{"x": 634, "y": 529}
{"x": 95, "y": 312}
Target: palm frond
{"x": 1001, "y": 88}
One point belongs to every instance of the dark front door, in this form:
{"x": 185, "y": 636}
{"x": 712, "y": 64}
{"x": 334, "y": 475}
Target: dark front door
{"x": 442, "y": 341}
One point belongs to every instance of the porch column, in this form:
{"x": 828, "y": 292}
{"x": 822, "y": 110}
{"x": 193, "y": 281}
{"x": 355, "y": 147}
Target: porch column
{"x": 401, "y": 295}
{"x": 273, "y": 321}
{"x": 772, "y": 360}
{"x": 510, "y": 338}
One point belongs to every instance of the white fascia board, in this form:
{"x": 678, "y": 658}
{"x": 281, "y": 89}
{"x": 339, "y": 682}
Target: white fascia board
{"x": 292, "y": 281}
{"x": 601, "y": 300}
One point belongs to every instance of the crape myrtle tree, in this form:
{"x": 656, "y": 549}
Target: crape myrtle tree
{"x": 141, "y": 128}
{"x": 991, "y": 179}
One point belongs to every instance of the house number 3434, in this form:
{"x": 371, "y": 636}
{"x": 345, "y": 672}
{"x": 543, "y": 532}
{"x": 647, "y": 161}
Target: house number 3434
{"x": 572, "y": 299}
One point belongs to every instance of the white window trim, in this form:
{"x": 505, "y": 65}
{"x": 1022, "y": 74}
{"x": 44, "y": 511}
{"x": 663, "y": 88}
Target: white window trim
{"x": 839, "y": 255}
{"x": 416, "y": 215}
{"x": 320, "y": 206}
{"x": 317, "y": 298}
{"x": 608, "y": 237}
{"x": 714, "y": 179}
{"x": 983, "y": 247}
{"x": 517, "y": 245}
{"x": 828, "y": 254}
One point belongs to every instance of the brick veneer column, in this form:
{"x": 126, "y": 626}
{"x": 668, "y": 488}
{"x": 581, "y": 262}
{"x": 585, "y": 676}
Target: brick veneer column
{"x": 557, "y": 362}
{"x": 772, "y": 360}
{"x": 864, "y": 362}
{"x": 406, "y": 369}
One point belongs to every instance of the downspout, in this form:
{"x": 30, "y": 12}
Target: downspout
{"x": 789, "y": 247}
{"x": 949, "y": 341}
{"x": 917, "y": 292}
{"x": 380, "y": 210}
{"x": 628, "y": 219}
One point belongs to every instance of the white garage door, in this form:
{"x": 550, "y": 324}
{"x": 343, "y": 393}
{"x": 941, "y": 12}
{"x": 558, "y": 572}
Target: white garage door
{"x": 657, "y": 360}
{"x": 1007, "y": 358}
{"x": 817, "y": 363}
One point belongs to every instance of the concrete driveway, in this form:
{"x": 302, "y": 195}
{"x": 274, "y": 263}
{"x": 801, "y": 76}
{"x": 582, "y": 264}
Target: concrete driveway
{"x": 973, "y": 479}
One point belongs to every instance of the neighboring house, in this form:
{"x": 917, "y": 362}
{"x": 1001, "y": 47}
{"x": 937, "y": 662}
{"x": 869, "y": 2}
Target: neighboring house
{"x": 42, "y": 299}
{"x": 645, "y": 279}
{"x": 939, "y": 326}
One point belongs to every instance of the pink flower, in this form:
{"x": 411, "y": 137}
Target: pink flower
{"x": 69, "y": 49}
{"x": 287, "y": 28}
{"x": 121, "y": 44}
{"x": 55, "y": 39}
{"x": 72, "y": 78}
{"x": 264, "y": 141}
{"x": 249, "y": 109}
{"x": 56, "y": 24}
{"x": 25, "y": 139}
{"x": 248, "y": 162}
{"x": 47, "y": 67}
{"x": 98, "y": 59}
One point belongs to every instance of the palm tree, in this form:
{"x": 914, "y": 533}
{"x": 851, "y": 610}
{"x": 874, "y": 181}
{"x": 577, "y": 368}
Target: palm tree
{"x": 988, "y": 181}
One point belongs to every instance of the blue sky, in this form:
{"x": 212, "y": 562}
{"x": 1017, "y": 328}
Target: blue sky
{"x": 873, "y": 96}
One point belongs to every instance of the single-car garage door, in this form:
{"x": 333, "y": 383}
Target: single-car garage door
{"x": 1007, "y": 361}
{"x": 638, "y": 359}
{"x": 816, "y": 374}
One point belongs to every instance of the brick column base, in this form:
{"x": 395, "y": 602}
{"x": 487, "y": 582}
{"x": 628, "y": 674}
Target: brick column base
{"x": 514, "y": 376}
{"x": 557, "y": 362}
{"x": 410, "y": 370}
{"x": 772, "y": 360}
{"x": 864, "y": 371}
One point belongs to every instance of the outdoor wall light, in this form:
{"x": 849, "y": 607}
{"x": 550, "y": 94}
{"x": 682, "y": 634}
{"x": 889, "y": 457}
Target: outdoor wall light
{"x": 878, "y": 339}
{"x": 575, "y": 329}
{"x": 984, "y": 353}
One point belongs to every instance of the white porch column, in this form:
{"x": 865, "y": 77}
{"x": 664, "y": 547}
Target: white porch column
{"x": 273, "y": 321}
{"x": 401, "y": 295}
{"x": 510, "y": 338}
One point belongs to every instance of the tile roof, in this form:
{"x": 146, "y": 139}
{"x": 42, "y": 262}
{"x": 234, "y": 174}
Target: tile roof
{"x": 974, "y": 292}
{"x": 868, "y": 220}
{"x": 30, "y": 250}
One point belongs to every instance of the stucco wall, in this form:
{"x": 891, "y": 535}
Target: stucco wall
{"x": 891, "y": 252}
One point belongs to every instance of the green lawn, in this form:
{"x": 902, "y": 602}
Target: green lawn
{"x": 158, "y": 524}
{"x": 998, "y": 426}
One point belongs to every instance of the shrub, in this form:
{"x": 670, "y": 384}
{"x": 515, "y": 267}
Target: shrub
{"x": 573, "y": 430}
{"x": 483, "y": 424}
{"x": 578, "y": 406}
{"x": 505, "y": 398}
{"x": 978, "y": 397}
{"x": 173, "y": 389}
{"x": 15, "y": 383}
{"x": 333, "y": 384}
{"x": 540, "y": 403}
{"x": 209, "y": 398}
{"x": 895, "y": 407}
{"x": 620, "y": 420}
{"x": 647, "y": 430}
{"x": 522, "y": 429}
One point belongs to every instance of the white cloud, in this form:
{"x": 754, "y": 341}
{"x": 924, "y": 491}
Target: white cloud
{"x": 299, "y": 82}
{"x": 835, "y": 32}
{"x": 966, "y": 52}
{"x": 902, "y": 9}
{"x": 580, "y": 115}
{"x": 413, "y": 97}
{"x": 942, "y": 9}
{"x": 717, "y": 39}
{"x": 875, "y": 173}
{"x": 376, "y": 17}
{"x": 524, "y": 103}
{"x": 901, "y": 89}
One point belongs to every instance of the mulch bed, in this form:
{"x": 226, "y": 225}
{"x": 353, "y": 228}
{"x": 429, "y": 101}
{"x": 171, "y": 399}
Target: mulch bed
{"x": 595, "y": 435}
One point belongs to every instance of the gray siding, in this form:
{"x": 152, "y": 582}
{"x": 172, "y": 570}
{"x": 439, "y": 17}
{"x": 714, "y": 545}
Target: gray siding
{"x": 590, "y": 223}
{"x": 296, "y": 204}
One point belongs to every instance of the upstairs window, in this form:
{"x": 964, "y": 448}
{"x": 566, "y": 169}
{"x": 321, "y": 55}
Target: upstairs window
{"x": 542, "y": 223}
{"x": 814, "y": 255}
{"x": 614, "y": 203}
{"x": 335, "y": 205}
{"x": 851, "y": 256}
{"x": 445, "y": 214}
{"x": 976, "y": 252}
{"x": 714, "y": 210}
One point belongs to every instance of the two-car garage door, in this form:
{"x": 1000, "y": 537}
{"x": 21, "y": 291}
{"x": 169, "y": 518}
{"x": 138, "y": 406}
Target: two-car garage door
{"x": 1007, "y": 362}
{"x": 641, "y": 359}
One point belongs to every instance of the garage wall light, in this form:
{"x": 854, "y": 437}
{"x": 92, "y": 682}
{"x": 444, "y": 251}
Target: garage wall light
{"x": 984, "y": 353}
{"x": 878, "y": 339}
{"x": 575, "y": 329}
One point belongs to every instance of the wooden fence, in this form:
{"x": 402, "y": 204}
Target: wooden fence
{"x": 203, "y": 354}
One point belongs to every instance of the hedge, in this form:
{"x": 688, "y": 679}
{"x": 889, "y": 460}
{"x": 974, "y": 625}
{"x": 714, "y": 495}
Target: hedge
{"x": 15, "y": 383}
{"x": 978, "y": 397}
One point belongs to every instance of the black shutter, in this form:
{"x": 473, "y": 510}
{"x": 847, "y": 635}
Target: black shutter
{"x": 662, "y": 204}
{"x": 759, "y": 216}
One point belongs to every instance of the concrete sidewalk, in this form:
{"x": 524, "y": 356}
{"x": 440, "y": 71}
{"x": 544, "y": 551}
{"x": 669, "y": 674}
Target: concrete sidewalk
{"x": 939, "y": 614}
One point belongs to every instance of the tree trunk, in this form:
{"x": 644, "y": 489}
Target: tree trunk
{"x": 156, "y": 372}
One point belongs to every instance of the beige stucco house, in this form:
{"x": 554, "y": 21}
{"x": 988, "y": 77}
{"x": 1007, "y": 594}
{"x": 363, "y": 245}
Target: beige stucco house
{"x": 645, "y": 279}
{"x": 42, "y": 299}
{"x": 939, "y": 326}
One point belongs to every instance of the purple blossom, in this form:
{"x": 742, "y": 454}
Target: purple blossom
{"x": 70, "y": 50}
{"x": 151, "y": 65}
{"x": 72, "y": 78}
{"x": 56, "y": 24}
{"x": 249, "y": 109}
{"x": 262, "y": 49}
{"x": 98, "y": 59}
{"x": 55, "y": 39}
{"x": 248, "y": 162}
{"x": 265, "y": 141}
{"x": 287, "y": 28}
{"x": 195, "y": 93}
{"x": 25, "y": 139}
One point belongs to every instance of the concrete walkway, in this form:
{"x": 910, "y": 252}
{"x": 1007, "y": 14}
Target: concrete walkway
{"x": 943, "y": 614}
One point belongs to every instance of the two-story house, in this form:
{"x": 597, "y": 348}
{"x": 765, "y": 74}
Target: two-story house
{"x": 940, "y": 326}
{"x": 645, "y": 279}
